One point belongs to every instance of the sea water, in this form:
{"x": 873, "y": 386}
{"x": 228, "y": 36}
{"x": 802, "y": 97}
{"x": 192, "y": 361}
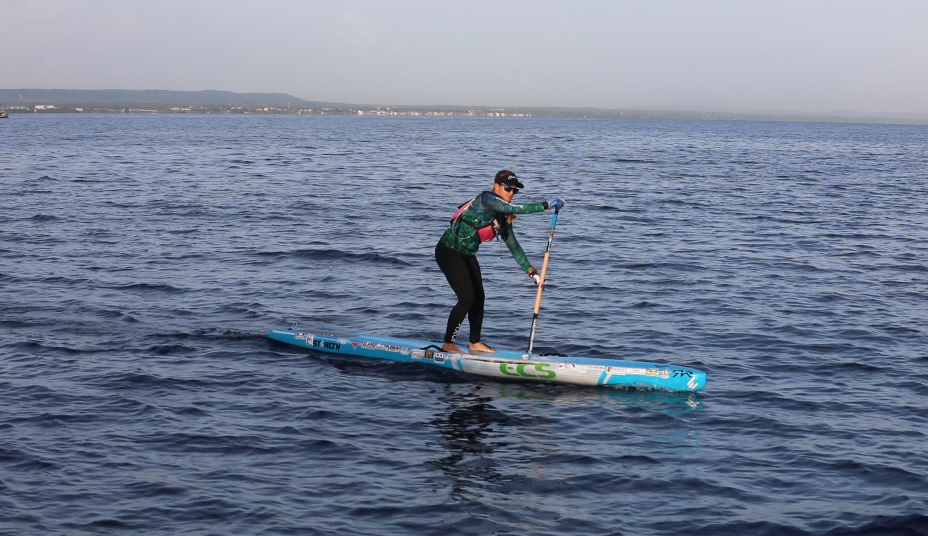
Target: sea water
{"x": 143, "y": 259}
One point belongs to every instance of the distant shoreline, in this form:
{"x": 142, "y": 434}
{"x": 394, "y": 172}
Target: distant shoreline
{"x": 67, "y": 101}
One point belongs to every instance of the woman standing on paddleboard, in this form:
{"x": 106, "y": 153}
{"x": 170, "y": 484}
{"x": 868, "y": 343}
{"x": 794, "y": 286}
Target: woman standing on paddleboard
{"x": 489, "y": 214}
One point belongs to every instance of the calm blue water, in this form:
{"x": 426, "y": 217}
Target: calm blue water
{"x": 144, "y": 258}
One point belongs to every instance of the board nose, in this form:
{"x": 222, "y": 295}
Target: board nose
{"x": 698, "y": 381}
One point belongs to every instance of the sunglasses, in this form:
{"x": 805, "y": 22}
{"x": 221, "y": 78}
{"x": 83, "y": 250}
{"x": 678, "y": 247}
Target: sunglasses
{"x": 512, "y": 189}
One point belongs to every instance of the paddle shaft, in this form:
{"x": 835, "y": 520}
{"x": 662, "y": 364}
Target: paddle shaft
{"x": 541, "y": 285}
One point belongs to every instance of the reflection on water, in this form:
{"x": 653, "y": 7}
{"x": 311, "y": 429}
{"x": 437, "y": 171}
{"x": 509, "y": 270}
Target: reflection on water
{"x": 495, "y": 434}
{"x": 658, "y": 401}
{"x": 470, "y": 433}
{"x": 649, "y": 416}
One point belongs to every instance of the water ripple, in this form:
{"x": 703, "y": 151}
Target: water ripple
{"x": 143, "y": 260}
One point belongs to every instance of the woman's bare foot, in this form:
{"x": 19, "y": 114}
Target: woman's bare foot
{"x": 450, "y": 347}
{"x": 480, "y": 347}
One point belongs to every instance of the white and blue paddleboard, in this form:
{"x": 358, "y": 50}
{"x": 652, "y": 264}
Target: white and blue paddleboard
{"x": 504, "y": 364}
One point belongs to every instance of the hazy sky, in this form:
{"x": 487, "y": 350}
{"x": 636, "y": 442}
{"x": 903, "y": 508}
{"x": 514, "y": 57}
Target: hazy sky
{"x": 745, "y": 55}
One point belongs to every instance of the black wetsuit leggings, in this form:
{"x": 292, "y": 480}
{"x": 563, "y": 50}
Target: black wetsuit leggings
{"x": 463, "y": 274}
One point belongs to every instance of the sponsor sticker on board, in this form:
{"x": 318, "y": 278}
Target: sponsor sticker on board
{"x": 308, "y": 337}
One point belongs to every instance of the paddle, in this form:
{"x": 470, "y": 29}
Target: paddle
{"x": 541, "y": 286}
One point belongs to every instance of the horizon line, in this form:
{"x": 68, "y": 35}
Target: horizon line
{"x": 837, "y": 115}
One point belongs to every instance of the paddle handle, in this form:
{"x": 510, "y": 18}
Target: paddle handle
{"x": 541, "y": 286}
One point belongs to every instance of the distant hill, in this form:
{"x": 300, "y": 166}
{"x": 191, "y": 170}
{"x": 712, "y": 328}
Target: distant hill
{"x": 211, "y": 101}
{"x": 149, "y": 97}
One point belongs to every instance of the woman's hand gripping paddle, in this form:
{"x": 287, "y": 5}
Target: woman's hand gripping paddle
{"x": 544, "y": 272}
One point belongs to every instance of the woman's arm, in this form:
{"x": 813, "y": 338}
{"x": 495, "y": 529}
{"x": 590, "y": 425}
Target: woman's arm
{"x": 496, "y": 204}
{"x": 514, "y": 248}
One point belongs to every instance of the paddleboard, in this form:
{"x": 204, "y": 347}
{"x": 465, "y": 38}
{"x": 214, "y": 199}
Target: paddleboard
{"x": 503, "y": 364}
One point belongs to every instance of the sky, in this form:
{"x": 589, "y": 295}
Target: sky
{"x": 817, "y": 56}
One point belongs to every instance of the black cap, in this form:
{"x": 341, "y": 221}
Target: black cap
{"x": 507, "y": 177}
